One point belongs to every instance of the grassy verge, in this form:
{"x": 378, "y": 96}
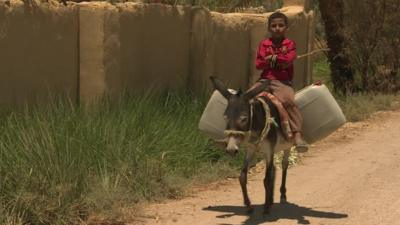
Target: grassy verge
{"x": 60, "y": 163}
{"x": 361, "y": 106}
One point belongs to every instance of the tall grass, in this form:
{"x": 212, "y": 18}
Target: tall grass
{"x": 59, "y": 162}
{"x": 62, "y": 164}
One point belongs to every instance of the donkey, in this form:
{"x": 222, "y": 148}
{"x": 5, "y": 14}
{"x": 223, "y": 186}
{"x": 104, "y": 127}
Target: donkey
{"x": 249, "y": 121}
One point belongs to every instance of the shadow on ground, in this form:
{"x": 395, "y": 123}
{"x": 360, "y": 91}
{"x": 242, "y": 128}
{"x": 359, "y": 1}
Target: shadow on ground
{"x": 279, "y": 211}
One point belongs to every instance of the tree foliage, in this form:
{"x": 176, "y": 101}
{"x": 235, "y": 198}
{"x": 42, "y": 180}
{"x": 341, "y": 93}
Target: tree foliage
{"x": 364, "y": 40}
{"x": 372, "y": 32}
{"x": 341, "y": 72}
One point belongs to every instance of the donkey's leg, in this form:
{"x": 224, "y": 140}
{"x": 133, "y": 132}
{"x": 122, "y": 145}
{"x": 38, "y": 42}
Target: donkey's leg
{"x": 243, "y": 178}
{"x": 269, "y": 183}
{"x": 269, "y": 179}
{"x": 285, "y": 164}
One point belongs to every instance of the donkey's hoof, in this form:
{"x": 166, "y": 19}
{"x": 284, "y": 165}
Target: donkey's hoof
{"x": 283, "y": 200}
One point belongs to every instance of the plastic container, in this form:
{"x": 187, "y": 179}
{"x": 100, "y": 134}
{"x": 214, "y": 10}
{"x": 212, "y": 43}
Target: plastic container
{"x": 212, "y": 120}
{"x": 321, "y": 113}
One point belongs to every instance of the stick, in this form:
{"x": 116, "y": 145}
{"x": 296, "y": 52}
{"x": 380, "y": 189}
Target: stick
{"x": 312, "y": 52}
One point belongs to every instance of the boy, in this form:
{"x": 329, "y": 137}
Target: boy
{"x": 275, "y": 57}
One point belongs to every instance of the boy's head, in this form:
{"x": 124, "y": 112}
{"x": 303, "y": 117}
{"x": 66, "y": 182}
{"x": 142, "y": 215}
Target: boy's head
{"x": 277, "y": 24}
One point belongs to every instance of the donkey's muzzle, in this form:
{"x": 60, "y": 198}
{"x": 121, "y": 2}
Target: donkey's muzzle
{"x": 232, "y": 145}
{"x": 233, "y": 152}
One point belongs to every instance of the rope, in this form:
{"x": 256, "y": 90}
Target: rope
{"x": 268, "y": 121}
{"x": 245, "y": 134}
{"x": 236, "y": 132}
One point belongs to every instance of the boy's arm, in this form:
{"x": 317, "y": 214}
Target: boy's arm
{"x": 287, "y": 58}
{"x": 262, "y": 59}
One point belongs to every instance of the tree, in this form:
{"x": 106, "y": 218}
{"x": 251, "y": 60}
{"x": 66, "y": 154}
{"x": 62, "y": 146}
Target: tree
{"x": 332, "y": 13}
{"x": 373, "y": 42}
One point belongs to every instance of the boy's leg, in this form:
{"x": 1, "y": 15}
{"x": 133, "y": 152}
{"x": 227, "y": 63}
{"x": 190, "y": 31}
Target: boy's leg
{"x": 257, "y": 83}
{"x": 286, "y": 95}
{"x": 296, "y": 122}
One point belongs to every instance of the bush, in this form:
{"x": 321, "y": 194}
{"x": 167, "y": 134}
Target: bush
{"x": 372, "y": 33}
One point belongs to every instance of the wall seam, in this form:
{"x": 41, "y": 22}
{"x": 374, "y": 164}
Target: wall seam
{"x": 78, "y": 91}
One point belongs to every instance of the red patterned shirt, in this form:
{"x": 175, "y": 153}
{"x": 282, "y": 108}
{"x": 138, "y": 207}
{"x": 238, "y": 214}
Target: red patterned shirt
{"x": 286, "y": 54}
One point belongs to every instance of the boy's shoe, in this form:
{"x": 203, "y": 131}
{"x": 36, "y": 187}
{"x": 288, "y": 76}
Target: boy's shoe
{"x": 299, "y": 143}
{"x": 301, "y": 147}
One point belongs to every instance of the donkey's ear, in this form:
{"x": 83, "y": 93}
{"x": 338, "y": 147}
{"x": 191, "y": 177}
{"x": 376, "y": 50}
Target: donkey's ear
{"x": 219, "y": 86}
{"x": 257, "y": 90}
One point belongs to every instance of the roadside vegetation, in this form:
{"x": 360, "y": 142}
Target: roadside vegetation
{"x": 59, "y": 163}
{"x": 63, "y": 164}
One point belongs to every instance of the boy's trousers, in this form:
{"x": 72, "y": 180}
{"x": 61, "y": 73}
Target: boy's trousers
{"x": 285, "y": 94}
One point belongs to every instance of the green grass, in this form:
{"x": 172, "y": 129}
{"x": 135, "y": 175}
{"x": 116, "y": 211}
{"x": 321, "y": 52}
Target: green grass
{"x": 321, "y": 72}
{"x": 359, "y": 107}
{"x": 63, "y": 164}
{"x": 59, "y": 163}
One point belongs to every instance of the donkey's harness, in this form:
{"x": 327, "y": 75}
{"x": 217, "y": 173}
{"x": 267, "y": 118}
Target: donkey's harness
{"x": 248, "y": 134}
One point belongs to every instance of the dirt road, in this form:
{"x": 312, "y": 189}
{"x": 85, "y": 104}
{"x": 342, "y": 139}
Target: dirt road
{"x": 351, "y": 177}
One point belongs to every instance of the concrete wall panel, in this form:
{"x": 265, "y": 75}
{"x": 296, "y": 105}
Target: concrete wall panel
{"x": 311, "y": 41}
{"x": 230, "y": 42}
{"x": 306, "y": 4}
{"x": 100, "y": 59}
{"x": 258, "y": 32}
{"x": 219, "y": 47}
{"x": 38, "y": 52}
{"x": 201, "y": 59}
{"x": 154, "y": 45}
{"x": 298, "y": 31}
{"x": 91, "y": 42}
{"x": 112, "y": 51}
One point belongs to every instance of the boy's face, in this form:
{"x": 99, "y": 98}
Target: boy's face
{"x": 277, "y": 28}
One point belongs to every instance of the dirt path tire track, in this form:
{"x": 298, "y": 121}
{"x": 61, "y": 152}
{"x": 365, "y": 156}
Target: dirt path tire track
{"x": 351, "y": 177}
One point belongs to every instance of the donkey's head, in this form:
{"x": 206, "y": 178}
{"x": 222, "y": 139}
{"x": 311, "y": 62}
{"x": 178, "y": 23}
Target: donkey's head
{"x": 238, "y": 114}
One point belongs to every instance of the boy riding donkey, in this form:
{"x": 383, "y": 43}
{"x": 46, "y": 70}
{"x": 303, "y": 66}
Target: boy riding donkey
{"x": 275, "y": 56}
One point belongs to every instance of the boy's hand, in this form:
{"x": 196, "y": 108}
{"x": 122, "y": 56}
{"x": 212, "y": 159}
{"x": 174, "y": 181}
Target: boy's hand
{"x": 272, "y": 60}
{"x": 268, "y": 57}
{"x": 284, "y": 49}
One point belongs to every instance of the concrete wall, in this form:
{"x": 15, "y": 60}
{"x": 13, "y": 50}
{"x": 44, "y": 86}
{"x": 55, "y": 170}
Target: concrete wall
{"x": 91, "y": 49}
{"x": 92, "y": 82}
{"x": 154, "y": 45}
{"x": 38, "y": 52}
{"x": 298, "y": 20}
{"x": 305, "y": 4}
{"x": 219, "y": 47}
{"x": 100, "y": 51}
